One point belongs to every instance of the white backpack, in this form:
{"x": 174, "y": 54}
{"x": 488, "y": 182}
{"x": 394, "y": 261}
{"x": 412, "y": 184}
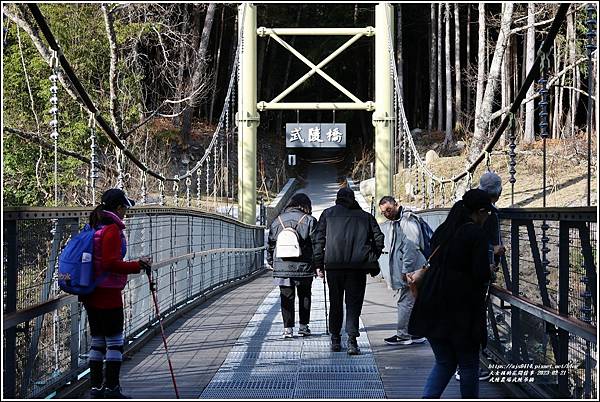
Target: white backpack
{"x": 287, "y": 244}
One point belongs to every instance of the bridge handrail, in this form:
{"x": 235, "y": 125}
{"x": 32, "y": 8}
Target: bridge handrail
{"x": 197, "y": 253}
{"x": 572, "y": 325}
{"x": 26, "y": 212}
{"x": 11, "y": 320}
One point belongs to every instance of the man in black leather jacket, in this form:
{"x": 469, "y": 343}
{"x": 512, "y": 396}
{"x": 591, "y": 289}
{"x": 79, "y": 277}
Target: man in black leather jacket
{"x": 348, "y": 244}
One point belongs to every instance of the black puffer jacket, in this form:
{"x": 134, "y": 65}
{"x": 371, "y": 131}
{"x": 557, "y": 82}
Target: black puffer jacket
{"x": 293, "y": 267}
{"x": 348, "y": 238}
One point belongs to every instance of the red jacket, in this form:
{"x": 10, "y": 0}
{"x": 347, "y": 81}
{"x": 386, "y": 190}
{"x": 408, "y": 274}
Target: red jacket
{"x": 111, "y": 260}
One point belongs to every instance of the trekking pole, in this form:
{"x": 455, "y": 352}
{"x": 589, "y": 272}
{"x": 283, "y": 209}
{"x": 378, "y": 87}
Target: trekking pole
{"x": 325, "y": 300}
{"x": 162, "y": 331}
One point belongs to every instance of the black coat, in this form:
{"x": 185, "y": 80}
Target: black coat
{"x": 451, "y": 301}
{"x": 348, "y": 238}
{"x": 300, "y": 267}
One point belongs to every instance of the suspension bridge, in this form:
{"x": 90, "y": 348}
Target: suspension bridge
{"x": 206, "y": 233}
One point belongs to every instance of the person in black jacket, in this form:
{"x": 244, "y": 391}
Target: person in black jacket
{"x": 348, "y": 244}
{"x": 294, "y": 272}
{"x": 450, "y": 308}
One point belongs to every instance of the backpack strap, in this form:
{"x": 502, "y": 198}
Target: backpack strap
{"x": 301, "y": 219}
{"x": 280, "y": 221}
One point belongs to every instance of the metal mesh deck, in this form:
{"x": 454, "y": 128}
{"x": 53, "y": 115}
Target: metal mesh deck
{"x": 263, "y": 365}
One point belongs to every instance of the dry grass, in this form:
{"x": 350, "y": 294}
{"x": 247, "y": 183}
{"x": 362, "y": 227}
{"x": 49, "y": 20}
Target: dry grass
{"x": 566, "y": 175}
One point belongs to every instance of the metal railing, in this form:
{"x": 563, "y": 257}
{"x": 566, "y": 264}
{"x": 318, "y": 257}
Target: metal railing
{"x": 544, "y": 305}
{"x": 46, "y": 337}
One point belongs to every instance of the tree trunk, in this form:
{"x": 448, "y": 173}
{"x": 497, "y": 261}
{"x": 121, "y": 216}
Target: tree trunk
{"x": 399, "y": 58}
{"x": 416, "y": 110}
{"x": 469, "y": 108}
{"x": 573, "y": 94}
{"x": 183, "y": 62}
{"x": 480, "y": 136}
{"x": 480, "y": 59}
{"x": 556, "y": 92}
{"x": 195, "y": 90}
{"x": 505, "y": 84}
{"x": 432, "y": 70}
{"x": 448, "y": 65}
{"x": 528, "y": 134}
{"x": 440, "y": 120}
{"x": 115, "y": 113}
{"x": 218, "y": 62}
{"x": 457, "y": 71}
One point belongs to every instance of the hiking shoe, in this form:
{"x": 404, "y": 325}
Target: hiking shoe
{"x": 484, "y": 374}
{"x": 304, "y": 330}
{"x": 114, "y": 393}
{"x": 353, "y": 347}
{"x": 400, "y": 340}
{"x": 288, "y": 333}
{"x": 336, "y": 343}
{"x": 97, "y": 393}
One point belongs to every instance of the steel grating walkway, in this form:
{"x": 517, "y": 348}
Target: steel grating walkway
{"x": 263, "y": 365}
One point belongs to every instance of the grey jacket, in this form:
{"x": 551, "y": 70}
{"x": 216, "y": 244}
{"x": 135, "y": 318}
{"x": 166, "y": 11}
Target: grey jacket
{"x": 403, "y": 240}
{"x": 301, "y": 267}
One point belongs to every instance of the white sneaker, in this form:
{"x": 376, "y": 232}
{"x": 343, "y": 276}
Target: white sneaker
{"x": 288, "y": 333}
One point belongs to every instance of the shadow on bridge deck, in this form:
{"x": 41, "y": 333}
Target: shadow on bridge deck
{"x": 217, "y": 342}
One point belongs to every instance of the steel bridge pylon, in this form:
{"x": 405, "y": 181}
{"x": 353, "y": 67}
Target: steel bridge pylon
{"x": 248, "y": 118}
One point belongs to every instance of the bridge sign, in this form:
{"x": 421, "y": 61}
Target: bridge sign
{"x": 315, "y": 135}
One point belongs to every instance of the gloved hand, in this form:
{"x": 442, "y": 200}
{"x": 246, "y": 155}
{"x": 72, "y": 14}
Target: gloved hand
{"x": 146, "y": 264}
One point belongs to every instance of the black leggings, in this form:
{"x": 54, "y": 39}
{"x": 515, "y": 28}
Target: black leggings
{"x": 287, "y": 302}
{"x": 107, "y": 322}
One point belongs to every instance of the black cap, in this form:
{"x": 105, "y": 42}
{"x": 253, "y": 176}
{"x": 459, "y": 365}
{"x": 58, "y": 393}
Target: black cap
{"x": 345, "y": 192}
{"x": 115, "y": 197}
{"x": 477, "y": 199}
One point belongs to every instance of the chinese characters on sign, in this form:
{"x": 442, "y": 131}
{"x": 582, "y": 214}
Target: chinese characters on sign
{"x": 315, "y": 135}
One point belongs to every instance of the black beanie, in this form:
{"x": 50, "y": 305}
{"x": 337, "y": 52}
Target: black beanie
{"x": 477, "y": 199}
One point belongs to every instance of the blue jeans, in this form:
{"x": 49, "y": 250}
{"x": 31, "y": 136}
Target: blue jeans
{"x": 447, "y": 357}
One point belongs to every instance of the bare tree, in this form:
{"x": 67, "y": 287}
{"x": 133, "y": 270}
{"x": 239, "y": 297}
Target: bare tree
{"x": 468, "y": 56}
{"x": 432, "y": 69}
{"x": 482, "y": 119}
{"x": 575, "y": 84}
{"x": 115, "y": 113}
{"x": 399, "y": 58}
{"x": 528, "y": 134}
{"x": 198, "y": 87}
{"x": 448, "y": 65}
{"x": 457, "y": 70}
{"x": 480, "y": 59}
{"x": 439, "y": 69}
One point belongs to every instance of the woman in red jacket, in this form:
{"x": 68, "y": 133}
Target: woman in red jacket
{"x": 105, "y": 304}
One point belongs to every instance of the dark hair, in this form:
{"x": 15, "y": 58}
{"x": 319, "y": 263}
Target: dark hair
{"x": 301, "y": 201}
{"x": 387, "y": 199}
{"x": 457, "y": 216}
{"x": 96, "y": 215}
{"x": 108, "y": 204}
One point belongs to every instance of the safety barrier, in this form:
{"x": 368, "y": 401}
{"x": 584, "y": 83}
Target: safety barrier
{"x": 46, "y": 336}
